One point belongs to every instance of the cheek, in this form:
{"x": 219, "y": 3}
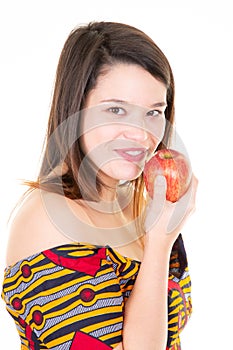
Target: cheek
{"x": 156, "y": 131}
{"x": 92, "y": 149}
{"x": 96, "y": 139}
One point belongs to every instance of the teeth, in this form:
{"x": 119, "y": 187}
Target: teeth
{"x": 133, "y": 153}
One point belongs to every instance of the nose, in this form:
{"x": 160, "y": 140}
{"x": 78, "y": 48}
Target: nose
{"x": 135, "y": 128}
{"x": 135, "y": 133}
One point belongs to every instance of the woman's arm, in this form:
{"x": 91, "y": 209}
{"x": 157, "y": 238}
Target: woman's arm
{"x": 145, "y": 321}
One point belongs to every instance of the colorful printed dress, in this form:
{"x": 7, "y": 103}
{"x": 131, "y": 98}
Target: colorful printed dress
{"x": 72, "y": 297}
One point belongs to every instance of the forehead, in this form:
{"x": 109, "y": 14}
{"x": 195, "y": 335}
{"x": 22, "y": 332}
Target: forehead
{"x": 127, "y": 82}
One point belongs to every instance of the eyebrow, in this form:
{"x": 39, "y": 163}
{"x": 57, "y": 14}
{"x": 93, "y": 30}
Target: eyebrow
{"x": 156, "y": 104}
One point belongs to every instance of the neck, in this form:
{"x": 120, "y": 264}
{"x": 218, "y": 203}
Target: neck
{"x": 113, "y": 201}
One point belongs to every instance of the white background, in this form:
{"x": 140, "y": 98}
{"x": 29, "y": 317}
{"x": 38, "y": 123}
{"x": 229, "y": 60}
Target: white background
{"x": 197, "y": 39}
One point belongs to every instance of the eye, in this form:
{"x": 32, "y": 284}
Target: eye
{"x": 154, "y": 113}
{"x": 117, "y": 110}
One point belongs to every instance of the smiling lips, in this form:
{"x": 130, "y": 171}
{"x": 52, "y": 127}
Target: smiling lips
{"x": 132, "y": 154}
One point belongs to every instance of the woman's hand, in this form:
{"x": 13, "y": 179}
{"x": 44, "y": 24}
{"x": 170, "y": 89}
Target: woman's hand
{"x": 164, "y": 219}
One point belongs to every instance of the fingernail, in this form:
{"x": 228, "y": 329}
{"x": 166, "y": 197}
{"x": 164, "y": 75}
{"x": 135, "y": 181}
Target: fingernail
{"x": 160, "y": 180}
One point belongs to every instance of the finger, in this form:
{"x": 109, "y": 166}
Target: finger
{"x": 156, "y": 205}
{"x": 183, "y": 207}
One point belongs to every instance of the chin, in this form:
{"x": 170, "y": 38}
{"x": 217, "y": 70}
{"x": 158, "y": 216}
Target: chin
{"x": 125, "y": 172}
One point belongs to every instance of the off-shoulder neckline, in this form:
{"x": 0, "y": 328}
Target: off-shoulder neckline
{"x": 77, "y": 244}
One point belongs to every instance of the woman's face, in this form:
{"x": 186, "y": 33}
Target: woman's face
{"x": 123, "y": 121}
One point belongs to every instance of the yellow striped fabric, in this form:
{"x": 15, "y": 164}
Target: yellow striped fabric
{"x": 72, "y": 297}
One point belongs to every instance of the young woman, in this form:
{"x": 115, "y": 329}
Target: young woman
{"x": 92, "y": 264}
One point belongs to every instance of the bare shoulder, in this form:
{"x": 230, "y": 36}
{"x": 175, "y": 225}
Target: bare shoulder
{"x": 36, "y": 224}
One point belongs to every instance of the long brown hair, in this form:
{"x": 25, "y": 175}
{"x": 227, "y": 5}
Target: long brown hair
{"x": 87, "y": 50}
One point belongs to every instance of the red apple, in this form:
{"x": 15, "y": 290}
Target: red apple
{"x": 175, "y": 167}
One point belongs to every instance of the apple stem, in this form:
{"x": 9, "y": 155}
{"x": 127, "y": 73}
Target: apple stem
{"x": 167, "y": 155}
